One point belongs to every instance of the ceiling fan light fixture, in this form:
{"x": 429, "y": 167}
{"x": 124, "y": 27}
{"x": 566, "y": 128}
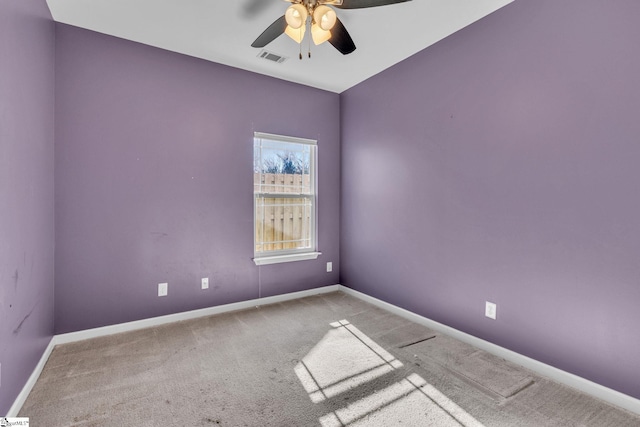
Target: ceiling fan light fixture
{"x": 319, "y": 35}
{"x": 296, "y": 16}
{"x": 324, "y": 17}
{"x": 297, "y": 34}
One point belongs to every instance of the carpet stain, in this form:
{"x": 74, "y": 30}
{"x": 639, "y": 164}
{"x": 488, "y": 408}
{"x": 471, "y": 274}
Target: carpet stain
{"x": 81, "y": 419}
{"x": 417, "y": 342}
{"x": 212, "y": 421}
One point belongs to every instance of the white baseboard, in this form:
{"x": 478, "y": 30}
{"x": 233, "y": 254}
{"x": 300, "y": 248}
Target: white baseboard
{"x": 186, "y": 315}
{"x": 24, "y": 393}
{"x": 596, "y": 390}
{"x": 589, "y": 387}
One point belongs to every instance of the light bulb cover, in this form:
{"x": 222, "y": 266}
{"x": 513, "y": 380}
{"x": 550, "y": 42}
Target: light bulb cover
{"x": 319, "y": 35}
{"x": 296, "y": 16}
{"x": 297, "y": 34}
{"x": 324, "y": 17}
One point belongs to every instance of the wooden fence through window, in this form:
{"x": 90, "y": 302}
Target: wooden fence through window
{"x": 282, "y": 222}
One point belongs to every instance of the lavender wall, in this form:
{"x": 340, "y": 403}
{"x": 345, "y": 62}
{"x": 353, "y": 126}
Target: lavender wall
{"x": 502, "y": 164}
{"x": 154, "y": 180}
{"x": 26, "y": 190}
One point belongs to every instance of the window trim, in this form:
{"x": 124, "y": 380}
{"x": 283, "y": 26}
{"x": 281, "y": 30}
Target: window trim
{"x": 299, "y": 254}
{"x": 284, "y": 138}
{"x": 277, "y": 259}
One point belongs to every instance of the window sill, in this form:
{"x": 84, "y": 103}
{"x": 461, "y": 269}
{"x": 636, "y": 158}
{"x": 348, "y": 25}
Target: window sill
{"x": 286, "y": 258}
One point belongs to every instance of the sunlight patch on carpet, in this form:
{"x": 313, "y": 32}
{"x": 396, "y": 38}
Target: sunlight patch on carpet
{"x": 346, "y": 358}
{"x": 410, "y": 402}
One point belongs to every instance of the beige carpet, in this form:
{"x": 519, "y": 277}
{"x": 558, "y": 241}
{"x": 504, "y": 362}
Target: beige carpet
{"x": 328, "y": 360}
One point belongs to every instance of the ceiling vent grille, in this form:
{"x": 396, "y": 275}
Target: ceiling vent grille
{"x": 273, "y": 57}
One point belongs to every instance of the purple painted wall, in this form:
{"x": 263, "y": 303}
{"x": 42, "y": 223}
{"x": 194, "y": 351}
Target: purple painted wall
{"x": 26, "y": 190}
{"x": 154, "y": 180}
{"x": 502, "y": 164}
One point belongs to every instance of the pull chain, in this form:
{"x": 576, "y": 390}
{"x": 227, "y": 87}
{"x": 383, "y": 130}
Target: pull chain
{"x": 302, "y": 28}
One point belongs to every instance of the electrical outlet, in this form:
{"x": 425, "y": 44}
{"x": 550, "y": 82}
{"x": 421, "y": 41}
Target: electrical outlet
{"x": 329, "y": 267}
{"x": 163, "y": 289}
{"x": 490, "y": 310}
{"x": 205, "y": 283}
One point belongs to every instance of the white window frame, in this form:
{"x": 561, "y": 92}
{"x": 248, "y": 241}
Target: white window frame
{"x": 298, "y": 254}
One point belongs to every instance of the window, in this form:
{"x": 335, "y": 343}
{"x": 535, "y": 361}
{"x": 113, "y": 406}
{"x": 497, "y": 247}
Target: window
{"x": 284, "y": 187}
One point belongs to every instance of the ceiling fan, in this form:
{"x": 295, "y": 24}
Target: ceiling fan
{"x": 325, "y": 25}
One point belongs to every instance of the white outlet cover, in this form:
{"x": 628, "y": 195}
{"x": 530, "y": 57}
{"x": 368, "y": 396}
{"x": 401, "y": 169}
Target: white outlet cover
{"x": 329, "y": 267}
{"x": 163, "y": 289}
{"x": 491, "y": 310}
{"x": 205, "y": 283}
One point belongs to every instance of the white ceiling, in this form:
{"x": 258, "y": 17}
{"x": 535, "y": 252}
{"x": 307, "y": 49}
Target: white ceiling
{"x": 222, "y": 31}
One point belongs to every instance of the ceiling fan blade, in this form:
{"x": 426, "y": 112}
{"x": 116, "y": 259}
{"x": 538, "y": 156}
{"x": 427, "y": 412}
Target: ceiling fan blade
{"x": 360, "y": 4}
{"x": 341, "y": 40}
{"x": 271, "y": 33}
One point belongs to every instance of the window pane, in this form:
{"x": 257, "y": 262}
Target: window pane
{"x": 282, "y": 223}
{"x": 282, "y": 167}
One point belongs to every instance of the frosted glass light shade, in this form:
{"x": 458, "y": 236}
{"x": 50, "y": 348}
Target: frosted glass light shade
{"x": 324, "y": 17}
{"x": 319, "y": 35}
{"x": 296, "y": 16}
{"x": 296, "y": 34}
